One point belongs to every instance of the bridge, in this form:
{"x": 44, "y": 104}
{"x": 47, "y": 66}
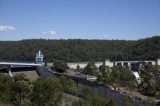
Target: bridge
{"x": 19, "y": 64}
{"x": 38, "y": 62}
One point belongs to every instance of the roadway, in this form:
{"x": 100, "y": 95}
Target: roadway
{"x": 20, "y": 64}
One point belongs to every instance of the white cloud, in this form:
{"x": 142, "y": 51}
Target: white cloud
{"x": 6, "y": 28}
{"x": 49, "y": 33}
{"x": 106, "y": 36}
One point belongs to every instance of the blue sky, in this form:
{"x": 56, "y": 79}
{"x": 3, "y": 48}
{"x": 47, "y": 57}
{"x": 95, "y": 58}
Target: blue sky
{"x": 79, "y": 19}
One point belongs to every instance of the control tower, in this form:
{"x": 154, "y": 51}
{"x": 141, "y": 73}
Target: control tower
{"x": 39, "y": 58}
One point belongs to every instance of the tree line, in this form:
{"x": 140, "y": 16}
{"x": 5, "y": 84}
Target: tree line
{"x": 75, "y": 50}
{"x": 20, "y": 91}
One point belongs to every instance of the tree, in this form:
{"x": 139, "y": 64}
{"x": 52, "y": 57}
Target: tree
{"x": 91, "y": 69}
{"x": 47, "y": 92}
{"x": 104, "y": 75}
{"x": 118, "y": 75}
{"x": 157, "y": 95}
{"x": 87, "y": 92}
{"x": 148, "y": 84}
{"x": 68, "y": 85}
{"x": 103, "y": 68}
{"x": 38, "y": 96}
{"x": 63, "y": 82}
{"x": 78, "y": 68}
{"x": 77, "y": 103}
{"x": 112, "y": 102}
{"x": 6, "y": 83}
{"x": 99, "y": 101}
{"x": 21, "y": 89}
{"x": 122, "y": 76}
{"x": 60, "y": 66}
{"x": 127, "y": 102}
{"x": 72, "y": 86}
{"x": 75, "y": 50}
{"x": 21, "y": 77}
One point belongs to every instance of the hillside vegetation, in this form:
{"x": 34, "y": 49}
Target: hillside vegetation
{"x": 75, "y": 50}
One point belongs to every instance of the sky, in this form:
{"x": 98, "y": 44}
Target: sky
{"x": 79, "y": 19}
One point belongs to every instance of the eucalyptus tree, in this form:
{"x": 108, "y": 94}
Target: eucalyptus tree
{"x": 6, "y": 83}
{"x": 47, "y": 92}
{"x": 21, "y": 89}
{"x": 91, "y": 69}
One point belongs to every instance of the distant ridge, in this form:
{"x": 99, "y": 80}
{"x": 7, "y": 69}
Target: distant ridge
{"x": 75, "y": 50}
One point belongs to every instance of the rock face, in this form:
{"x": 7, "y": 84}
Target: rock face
{"x": 30, "y": 72}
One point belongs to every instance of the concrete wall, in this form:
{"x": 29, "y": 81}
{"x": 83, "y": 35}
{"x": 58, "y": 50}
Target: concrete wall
{"x": 98, "y": 64}
{"x": 110, "y": 63}
{"x": 158, "y": 62}
{"x": 50, "y": 64}
{"x": 122, "y": 63}
{"x": 74, "y": 65}
{"x": 152, "y": 62}
{"x": 84, "y": 64}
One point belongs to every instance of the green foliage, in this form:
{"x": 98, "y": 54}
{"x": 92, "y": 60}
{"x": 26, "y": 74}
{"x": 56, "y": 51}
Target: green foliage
{"x": 87, "y": 92}
{"x": 81, "y": 50}
{"x": 72, "y": 86}
{"x": 59, "y": 66}
{"x": 118, "y": 75}
{"x": 95, "y": 101}
{"x": 77, "y": 103}
{"x": 63, "y": 81}
{"x": 157, "y": 95}
{"x": 5, "y": 88}
{"x": 122, "y": 76}
{"x": 21, "y": 77}
{"x": 99, "y": 101}
{"x": 112, "y": 102}
{"x": 150, "y": 76}
{"x": 103, "y": 69}
{"x": 127, "y": 102}
{"x": 47, "y": 92}
{"x": 78, "y": 68}
{"x": 91, "y": 69}
{"x": 21, "y": 89}
{"x": 68, "y": 85}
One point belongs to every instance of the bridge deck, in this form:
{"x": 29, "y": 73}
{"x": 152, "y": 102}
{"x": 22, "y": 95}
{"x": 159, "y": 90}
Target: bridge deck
{"x": 20, "y": 64}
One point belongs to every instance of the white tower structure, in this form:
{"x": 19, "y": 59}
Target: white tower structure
{"x": 39, "y": 57}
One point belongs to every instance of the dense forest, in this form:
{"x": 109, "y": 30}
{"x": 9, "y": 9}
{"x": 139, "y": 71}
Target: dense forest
{"x": 75, "y": 50}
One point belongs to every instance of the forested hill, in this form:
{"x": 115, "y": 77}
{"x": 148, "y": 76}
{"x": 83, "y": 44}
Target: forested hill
{"x": 81, "y": 50}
